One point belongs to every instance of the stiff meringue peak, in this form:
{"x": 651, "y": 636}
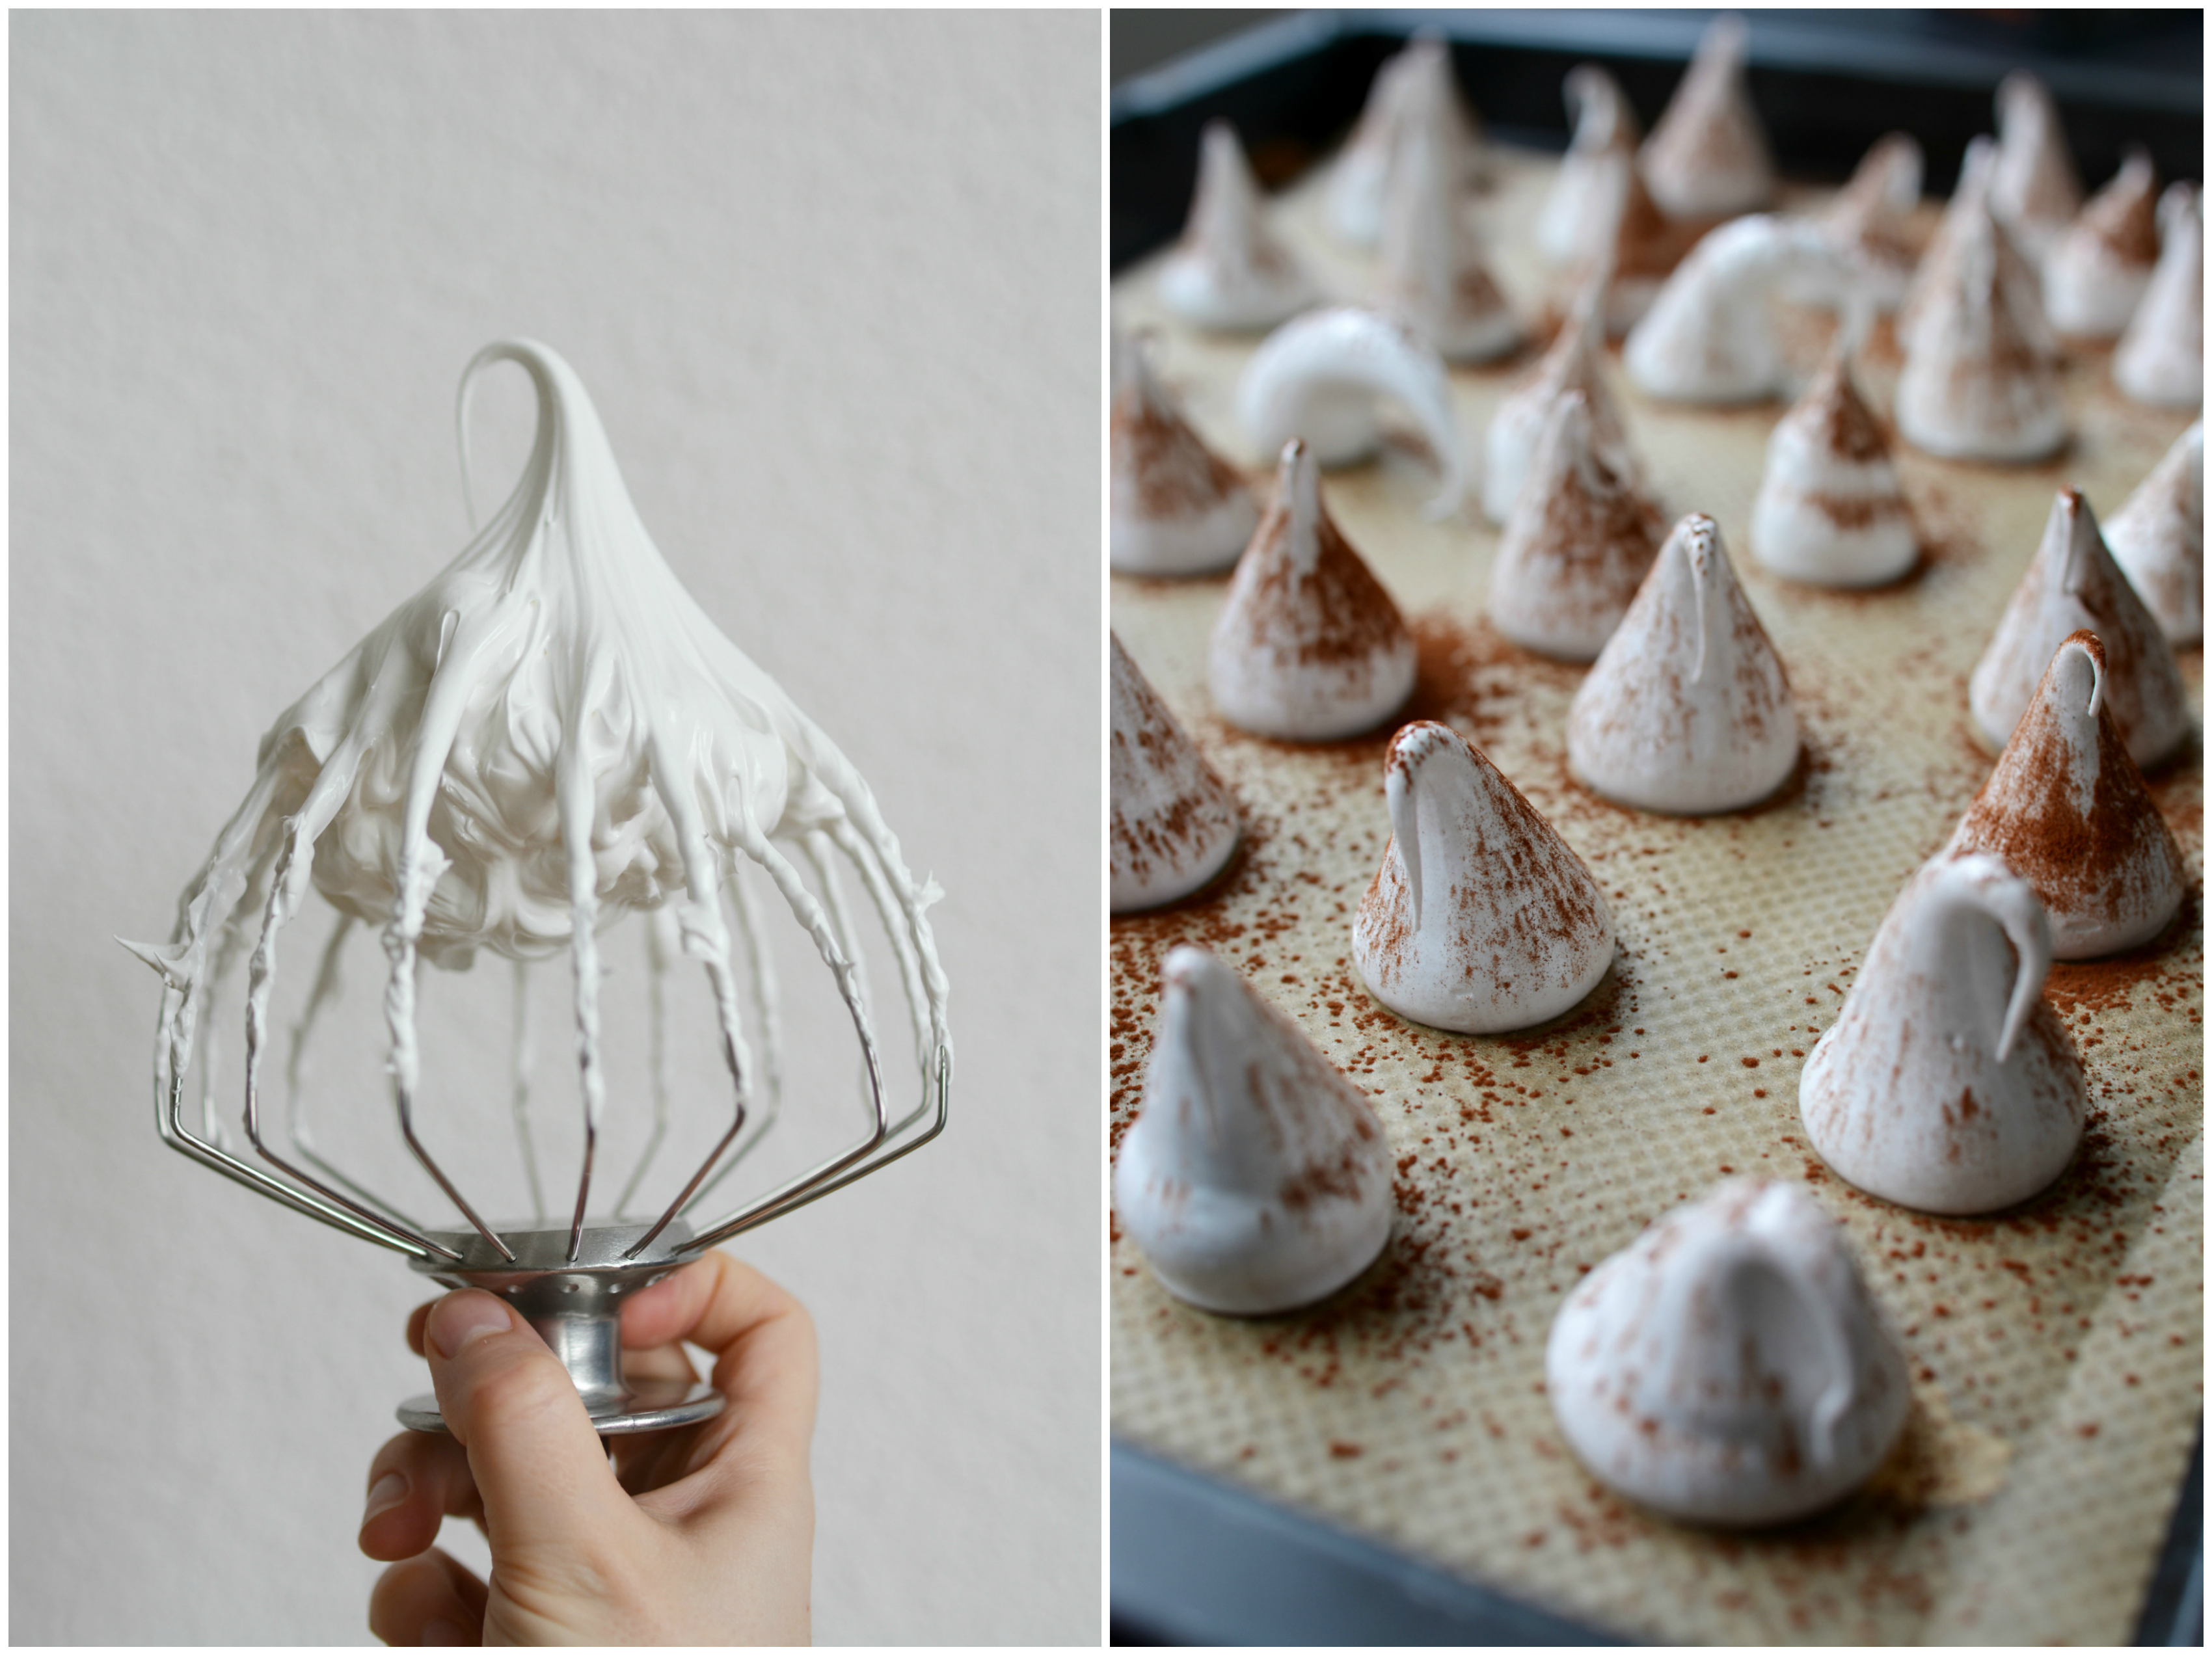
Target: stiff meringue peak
{"x": 1414, "y": 91}
{"x": 2066, "y": 810}
{"x": 1177, "y": 508}
{"x": 1708, "y": 337}
{"x": 2033, "y": 187}
{"x": 1571, "y": 365}
{"x": 2160, "y": 357}
{"x": 1580, "y": 215}
{"x": 1579, "y": 545}
{"x": 1317, "y": 379}
{"x": 1256, "y": 1178}
{"x": 1707, "y": 159}
{"x": 1729, "y": 1366}
{"x": 1947, "y": 1084}
{"x": 1308, "y": 646}
{"x": 1868, "y": 222}
{"x": 1976, "y": 384}
{"x": 1481, "y": 919}
{"x": 2072, "y": 584}
{"x": 2158, "y": 539}
{"x": 1688, "y": 710}
{"x": 1231, "y": 272}
{"x": 1433, "y": 273}
{"x": 1830, "y": 510}
{"x": 2094, "y": 275}
{"x": 1173, "y": 822}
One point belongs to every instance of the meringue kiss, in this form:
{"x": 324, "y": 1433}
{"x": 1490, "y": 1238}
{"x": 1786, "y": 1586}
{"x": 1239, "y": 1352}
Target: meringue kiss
{"x": 1172, "y": 822}
{"x": 1176, "y": 508}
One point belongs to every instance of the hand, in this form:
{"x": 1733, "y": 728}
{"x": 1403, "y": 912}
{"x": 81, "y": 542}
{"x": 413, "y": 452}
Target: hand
{"x": 706, "y": 1539}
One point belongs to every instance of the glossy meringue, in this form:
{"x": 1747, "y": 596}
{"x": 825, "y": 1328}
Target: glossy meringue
{"x": 1688, "y": 710}
{"x": 1946, "y": 1084}
{"x": 1308, "y": 646}
{"x": 2034, "y": 188}
{"x": 2098, "y": 267}
{"x": 1231, "y": 272}
{"x": 1433, "y": 273}
{"x": 2072, "y": 584}
{"x": 1708, "y": 337}
{"x": 1581, "y": 212}
{"x": 1413, "y": 92}
{"x": 1729, "y": 1366}
{"x": 1571, "y": 364}
{"x": 1708, "y": 158}
{"x": 2066, "y": 810}
{"x": 2157, "y": 538}
{"x": 1830, "y": 510}
{"x": 1976, "y": 383}
{"x": 2160, "y": 358}
{"x": 1174, "y": 506}
{"x": 1256, "y": 1178}
{"x": 1580, "y": 541}
{"x": 1481, "y": 919}
{"x": 1172, "y": 823}
{"x": 1317, "y": 379}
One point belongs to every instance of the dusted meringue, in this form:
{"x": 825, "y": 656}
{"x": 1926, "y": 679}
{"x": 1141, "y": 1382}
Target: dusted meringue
{"x": 1433, "y": 274}
{"x": 1172, "y": 822}
{"x": 1481, "y": 918}
{"x": 1579, "y": 545}
{"x": 1967, "y": 218}
{"x": 1687, "y": 709}
{"x": 2097, "y": 268}
{"x": 1830, "y": 510}
{"x": 1577, "y": 223}
{"x": 1571, "y": 364}
{"x": 1308, "y": 646}
{"x": 1176, "y": 508}
{"x": 1256, "y": 1178}
{"x": 2072, "y": 584}
{"x": 1947, "y": 1084}
{"x": 1317, "y": 379}
{"x": 2033, "y": 187}
{"x": 2157, "y": 538}
{"x": 1708, "y": 337}
{"x": 1976, "y": 385}
{"x": 1707, "y": 159}
{"x": 2066, "y": 810}
{"x": 1231, "y": 272}
{"x": 1868, "y": 222}
{"x": 1414, "y": 91}
{"x": 1730, "y": 1364}
{"x": 2160, "y": 357}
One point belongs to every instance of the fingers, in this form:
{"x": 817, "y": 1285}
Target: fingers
{"x": 430, "y": 1600}
{"x": 417, "y": 1480}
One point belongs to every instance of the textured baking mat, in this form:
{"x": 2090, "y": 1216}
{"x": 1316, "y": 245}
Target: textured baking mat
{"x": 2057, "y": 1349}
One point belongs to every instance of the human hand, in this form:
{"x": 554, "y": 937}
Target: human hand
{"x": 707, "y": 1538}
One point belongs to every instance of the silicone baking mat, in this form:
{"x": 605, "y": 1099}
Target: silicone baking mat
{"x": 2057, "y": 1349}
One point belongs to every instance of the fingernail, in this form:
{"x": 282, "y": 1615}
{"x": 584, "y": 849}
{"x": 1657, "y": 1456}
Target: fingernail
{"x": 461, "y": 1318}
{"x": 442, "y": 1632}
{"x": 390, "y": 1490}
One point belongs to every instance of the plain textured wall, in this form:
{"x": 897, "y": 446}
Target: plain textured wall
{"x": 833, "y": 282}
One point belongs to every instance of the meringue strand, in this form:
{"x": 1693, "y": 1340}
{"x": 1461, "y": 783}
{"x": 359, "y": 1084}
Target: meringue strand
{"x": 1708, "y": 337}
{"x": 1231, "y": 272}
{"x": 1946, "y": 1084}
{"x": 2033, "y": 187}
{"x": 1975, "y": 386}
{"x": 2072, "y": 584}
{"x": 1308, "y": 646}
{"x": 2066, "y": 810}
{"x": 1174, "y": 506}
{"x": 1830, "y": 510}
{"x": 2160, "y": 358}
{"x": 1708, "y": 158}
{"x": 1688, "y": 710}
{"x": 1964, "y": 220}
{"x": 1413, "y": 91}
{"x": 1256, "y": 1178}
{"x": 2157, "y": 538}
{"x": 1433, "y": 274}
{"x": 1576, "y": 224}
{"x": 1172, "y": 822}
{"x": 1571, "y": 365}
{"x": 1582, "y": 539}
{"x": 1729, "y": 1366}
{"x": 1480, "y": 919}
{"x": 2094, "y": 275}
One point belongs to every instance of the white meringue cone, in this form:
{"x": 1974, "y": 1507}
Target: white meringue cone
{"x": 1947, "y": 1084}
{"x": 1578, "y": 547}
{"x": 1967, "y": 217}
{"x": 1308, "y": 646}
{"x": 1571, "y": 364}
{"x": 1577, "y": 223}
{"x": 1172, "y": 822}
{"x": 1708, "y": 337}
{"x": 1256, "y": 1178}
{"x": 1729, "y": 1366}
{"x": 1707, "y": 158}
{"x": 2097, "y": 268}
{"x": 2066, "y": 810}
{"x": 1176, "y": 508}
{"x": 1415, "y": 90}
{"x": 2072, "y": 584}
{"x": 1830, "y": 511}
{"x": 1317, "y": 379}
{"x": 1231, "y": 272}
{"x": 1868, "y": 222}
{"x": 1688, "y": 710}
{"x": 1433, "y": 275}
{"x": 2033, "y": 187}
{"x": 2160, "y": 358}
{"x": 1481, "y": 919}
{"x": 1975, "y": 386}
{"x": 2157, "y": 538}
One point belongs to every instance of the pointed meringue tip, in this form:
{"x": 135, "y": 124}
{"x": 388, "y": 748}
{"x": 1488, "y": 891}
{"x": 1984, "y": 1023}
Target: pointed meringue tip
{"x": 164, "y": 958}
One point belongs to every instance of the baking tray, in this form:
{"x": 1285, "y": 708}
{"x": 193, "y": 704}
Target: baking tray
{"x": 1357, "y": 1553}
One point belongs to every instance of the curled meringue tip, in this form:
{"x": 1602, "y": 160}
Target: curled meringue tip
{"x": 1172, "y": 822}
{"x": 1710, "y": 335}
{"x": 2067, "y": 810}
{"x": 1581, "y": 211}
{"x": 1708, "y": 157}
{"x": 2033, "y": 187}
{"x": 1979, "y": 381}
{"x": 1256, "y": 1178}
{"x": 1947, "y": 1084}
{"x": 1176, "y": 507}
{"x": 2157, "y": 538}
{"x": 1687, "y": 709}
{"x": 2072, "y": 584}
{"x": 2098, "y": 268}
{"x": 2160, "y": 357}
{"x": 1231, "y": 272}
{"x": 1480, "y": 918}
{"x": 1433, "y": 272}
{"x": 1729, "y": 1366}
{"x": 1308, "y": 646}
{"x": 1830, "y": 511}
